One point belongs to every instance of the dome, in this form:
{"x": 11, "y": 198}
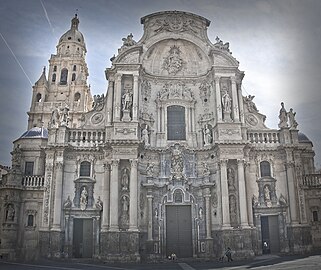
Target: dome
{"x": 303, "y": 138}
{"x": 73, "y": 34}
{"x": 36, "y": 132}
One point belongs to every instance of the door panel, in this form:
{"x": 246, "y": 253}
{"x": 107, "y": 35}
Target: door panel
{"x": 83, "y": 238}
{"x": 179, "y": 231}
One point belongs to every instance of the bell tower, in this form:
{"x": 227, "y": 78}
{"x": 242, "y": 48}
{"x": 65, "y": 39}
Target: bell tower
{"x": 66, "y": 84}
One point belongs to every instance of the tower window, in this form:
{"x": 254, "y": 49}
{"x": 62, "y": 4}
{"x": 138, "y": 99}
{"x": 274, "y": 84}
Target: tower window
{"x": 265, "y": 168}
{"x": 29, "y": 168}
{"x": 38, "y": 97}
{"x": 73, "y": 76}
{"x": 55, "y": 68}
{"x": 315, "y": 216}
{"x": 30, "y": 221}
{"x": 53, "y": 77}
{"x": 74, "y": 68}
{"x": 176, "y": 123}
{"x": 77, "y": 97}
{"x": 85, "y": 168}
{"x": 64, "y": 76}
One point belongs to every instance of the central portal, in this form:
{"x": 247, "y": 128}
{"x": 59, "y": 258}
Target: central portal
{"x": 83, "y": 238}
{"x": 179, "y": 231}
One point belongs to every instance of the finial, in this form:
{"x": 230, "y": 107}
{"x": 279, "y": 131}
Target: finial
{"x": 44, "y": 70}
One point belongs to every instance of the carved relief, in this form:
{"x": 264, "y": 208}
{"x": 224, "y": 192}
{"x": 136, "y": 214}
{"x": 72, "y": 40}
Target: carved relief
{"x": 173, "y": 63}
{"x": 251, "y": 120}
{"x": 146, "y": 90}
{"x": 176, "y": 23}
{"x": 172, "y": 90}
{"x": 97, "y": 118}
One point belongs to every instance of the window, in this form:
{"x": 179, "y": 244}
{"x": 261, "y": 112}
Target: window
{"x": 64, "y": 76}
{"x": 38, "y": 97}
{"x": 55, "y": 68}
{"x": 178, "y": 196}
{"x": 30, "y": 221}
{"x": 74, "y": 68}
{"x": 176, "y": 123}
{"x": 315, "y": 216}
{"x": 29, "y": 168}
{"x": 53, "y": 77}
{"x": 265, "y": 168}
{"x": 77, "y": 97}
{"x": 73, "y": 76}
{"x": 85, "y": 168}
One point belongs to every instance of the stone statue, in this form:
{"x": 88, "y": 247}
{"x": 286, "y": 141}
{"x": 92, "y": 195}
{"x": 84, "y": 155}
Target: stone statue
{"x": 291, "y": 115}
{"x": 230, "y": 177}
{"x": 227, "y": 102}
{"x": 145, "y": 135}
{"x": 283, "y": 117}
{"x": 266, "y": 191}
{"x": 125, "y": 204}
{"x": 68, "y": 203}
{"x": 207, "y": 135}
{"x": 173, "y": 63}
{"x": 250, "y": 104}
{"x": 150, "y": 169}
{"x": 127, "y": 100}
{"x": 200, "y": 213}
{"x": 127, "y": 42}
{"x": 10, "y": 213}
{"x": 206, "y": 170}
{"x": 177, "y": 165}
{"x": 282, "y": 200}
{"x": 83, "y": 199}
{"x": 55, "y": 117}
{"x": 99, "y": 204}
{"x": 125, "y": 179}
{"x": 255, "y": 201}
{"x": 64, "y": 116}
{"x": 98, "y": 103}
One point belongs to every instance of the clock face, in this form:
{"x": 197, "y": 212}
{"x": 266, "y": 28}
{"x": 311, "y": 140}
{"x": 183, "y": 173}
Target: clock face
{"x": 97, "y": 118}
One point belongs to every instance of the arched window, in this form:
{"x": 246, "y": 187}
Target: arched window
{"x": 85, "y": 168}
{"x": 265, "y": 168}
{"x": 315, "y": 216}
{"x": 73, "y": 76}
{"x": 77, "y": 97}
{"x": 53, "y": 77}
{"x": 74, "y": 68}
{"x": 176, "y": 123}
{"x": 55, "y": 68}
{"x": 64, "y": 76}
{"x": 38, "y": 97}
{"x": 30, "y": 221}
{"x": 178, "y": 196}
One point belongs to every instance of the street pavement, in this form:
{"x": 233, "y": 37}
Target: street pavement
{"x": 271, "y": 262}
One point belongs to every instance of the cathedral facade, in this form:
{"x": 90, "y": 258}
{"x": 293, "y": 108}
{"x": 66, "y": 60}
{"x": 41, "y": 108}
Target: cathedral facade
{"x": 171, "y": 159}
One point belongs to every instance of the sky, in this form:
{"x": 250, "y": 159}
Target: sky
{"x": 277, "y": 43}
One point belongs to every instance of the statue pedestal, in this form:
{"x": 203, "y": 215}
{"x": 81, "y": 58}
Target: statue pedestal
{"x": 126, "y": 115}
{"x": 227, "y": 117}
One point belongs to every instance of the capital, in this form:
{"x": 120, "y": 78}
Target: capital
{"x": 133, "y": 162}
{"x": 115, "y": 162}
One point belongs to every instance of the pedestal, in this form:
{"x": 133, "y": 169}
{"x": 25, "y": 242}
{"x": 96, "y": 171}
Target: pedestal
{"x": 126, "y": 116}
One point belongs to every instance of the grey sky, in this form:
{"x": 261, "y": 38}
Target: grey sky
{"x": 277, "y": 43}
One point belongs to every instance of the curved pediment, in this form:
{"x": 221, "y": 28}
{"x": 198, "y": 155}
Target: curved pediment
{"x": 176, "y": 58}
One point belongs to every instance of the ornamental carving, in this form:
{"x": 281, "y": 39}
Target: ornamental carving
{"x": 98, "y": 103}
{"x": 205, "y": 89}
{"x": 229, "y": 131}
{"x": 146, "y": 90}
{"x": 97, "y": 118}
{"x": 172, "y": 90}
{"x": 251, "y": 120}
{"x": 173, "y": 63}
{"x": 125, "y": 131}
{"x": 176, "y": 23}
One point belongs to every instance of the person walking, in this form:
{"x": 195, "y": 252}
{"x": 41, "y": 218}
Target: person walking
{"x": 228, "y": 254}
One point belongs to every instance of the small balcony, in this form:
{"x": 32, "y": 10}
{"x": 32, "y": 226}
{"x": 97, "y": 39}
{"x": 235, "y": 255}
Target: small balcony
{"x": 264, "y": 137}
{"x": 312, "y": 180}
{"x": 33, "y": 181}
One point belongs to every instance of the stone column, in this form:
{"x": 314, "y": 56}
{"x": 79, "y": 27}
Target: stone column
{"x": 114, "y": 196}
{"x": 207, "y": 195}
{"x": 240, "y": 97}
{"x": 242, "y": 193}
{"x": 117, "y": 94}
{"x": 106, "y": 195}
{"x": 133, "y": 196}
{"x": 226, "y": 223}
{"x": 235, "y": 107}
{"x": 218, "y": 98}
{"x": 292, "y": 192}
{"x": 150, "y": 216}
{"x": 135, "y": 98}
{"x": 110, "y": 96}
{"x": 58, "y": 197}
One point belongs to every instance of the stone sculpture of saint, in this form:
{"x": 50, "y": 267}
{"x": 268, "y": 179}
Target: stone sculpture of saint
{"x": 55, "y": 117}
{"x": 125, "y": 202}
{"x": 127, "y": 100}
{"x": 83, "y": 199}
{"x": 99, "y": 204}
{"x": 230, "y": 177}
{"x": 150, "y": 169}
{"x": 125, "y": 179}
{"x": 68, "y": 203}
{"x": 177, "y": 165}
{"x": 291, "y": 115}
{"x": 145, "y": 135}
{"x": 267, "y": 193}
{"x": 10, "y": 213}
{"x": 207, "y": 135}
{"x": 227, "y": 102}
{"x": 283, "y": 117}
{"x": 64, "y": 117}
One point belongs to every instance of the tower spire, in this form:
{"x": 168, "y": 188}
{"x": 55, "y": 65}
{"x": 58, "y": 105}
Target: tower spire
{"x": 75, "y": 22}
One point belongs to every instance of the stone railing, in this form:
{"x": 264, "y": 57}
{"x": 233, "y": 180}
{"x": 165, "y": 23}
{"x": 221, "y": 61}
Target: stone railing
{"x": 266, "y": 137}
{"x": 312, "y": 180}
{"x": 33, "y": 181}
{"x": 86, "y": 138}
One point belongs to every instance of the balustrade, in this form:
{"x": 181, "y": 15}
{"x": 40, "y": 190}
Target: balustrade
{"x": 266, "y": 137}
{"x": 86, "y": 138}
{"x": 312, "y": 180}
{"x": 33, "y": 181}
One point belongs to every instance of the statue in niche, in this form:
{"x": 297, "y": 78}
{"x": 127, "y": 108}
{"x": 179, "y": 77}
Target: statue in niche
{"x": 200, "y": 213}
{"x": 283, "y": 117}
{"x": 127, "y": 100}
{"x": 255, "y": 201}
{"x": 291, "y": 115}
{"x": 55, "y": 118}
{"x": 125, "y": 179}
{"x": 64, "y": 118}
{"x": 250, "y": 104}
{"x": 145, "y": 135}
{"x": 10, "y": 213}
{"x": 98, "y": 103}
{"x": 177, "y": 165}
{"x": 83, "y": 198}
{"x": 99, "y": 204}
{"x": 230, "y": 177}
{"x": 68, "y": 203}
{"x": 267, "y": 195}
{"x": 150, "y": 169}
{"x": 207, "y": 135}
{"x": 227, "y": 102}
{"x": 125, "y": 204}
{"x": 127, "y": 42}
